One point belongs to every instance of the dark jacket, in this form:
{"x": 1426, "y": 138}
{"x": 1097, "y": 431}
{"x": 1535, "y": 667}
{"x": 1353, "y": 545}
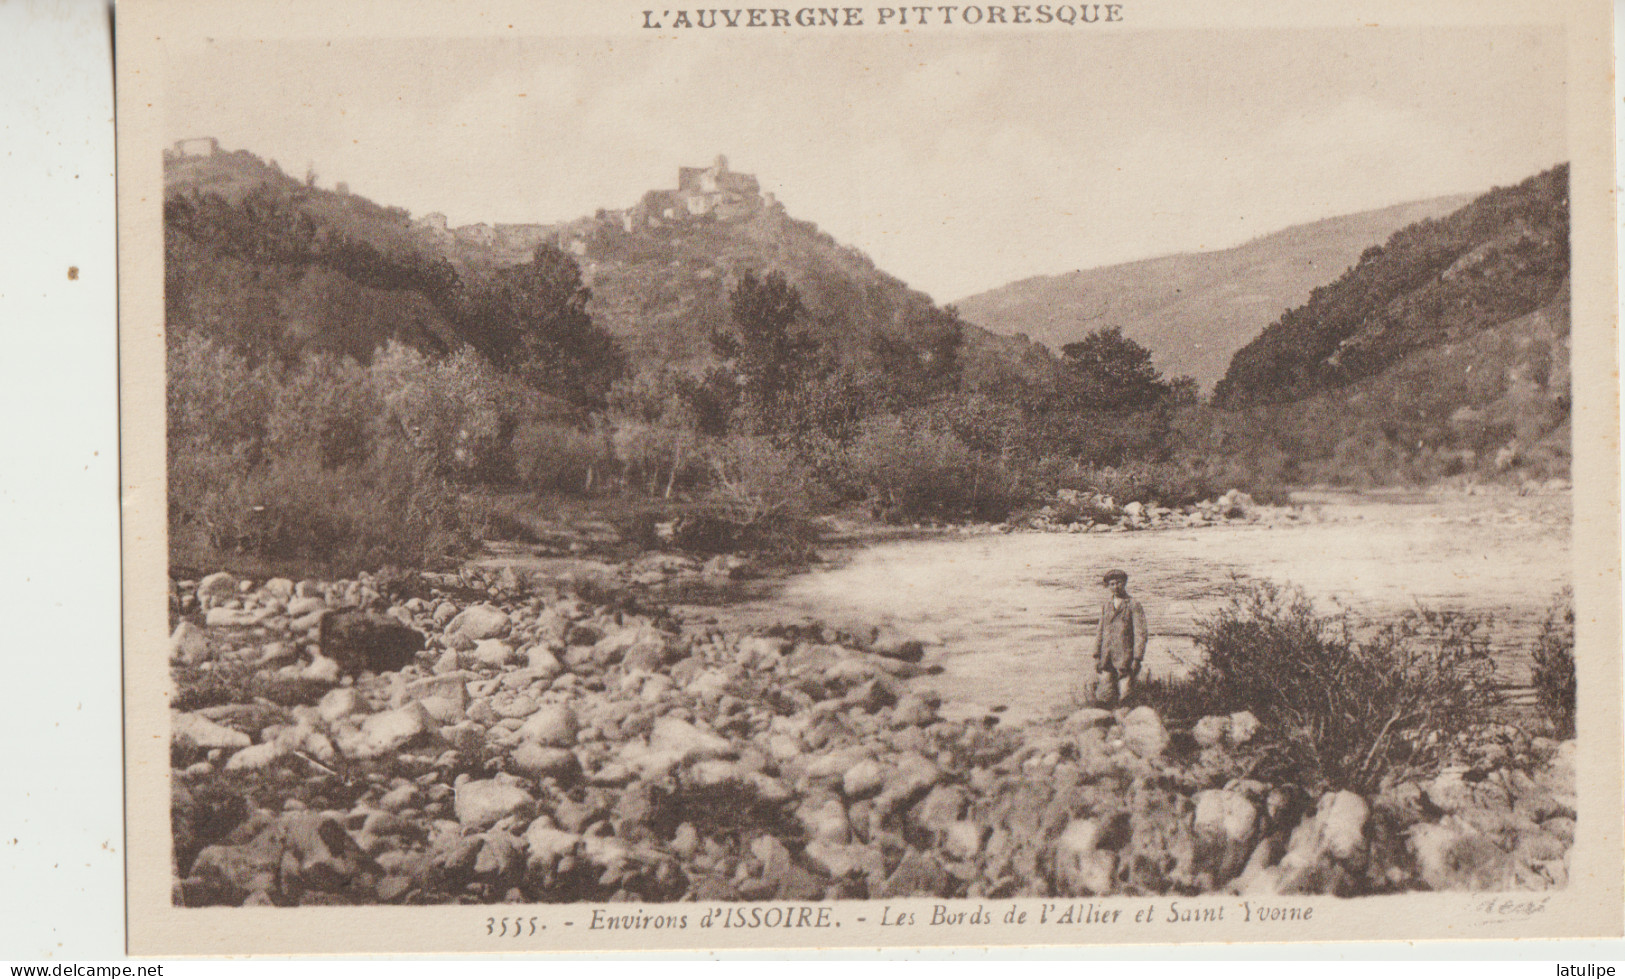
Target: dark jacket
{"x": 1121, "y": 642}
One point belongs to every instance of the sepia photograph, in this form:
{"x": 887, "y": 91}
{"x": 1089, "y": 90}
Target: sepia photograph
{"x": 1012, "y": 474}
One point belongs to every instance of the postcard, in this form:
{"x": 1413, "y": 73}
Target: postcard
{"x": 601, "y": 477}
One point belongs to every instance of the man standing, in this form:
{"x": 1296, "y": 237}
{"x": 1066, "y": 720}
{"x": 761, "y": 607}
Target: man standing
{"x": 1120, "y": 647}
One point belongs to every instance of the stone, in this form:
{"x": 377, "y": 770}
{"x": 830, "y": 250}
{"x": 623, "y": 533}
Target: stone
{"x": 963, "y": 840}
{"x": 230, "y": 873}
{"x": 480, "y": 804}
{"x": 256, "y": 757}
{"x": 863, "y": 779}
{"x": 491, "y": 654}
{"x": 321, "y": 670}
{"x": 551, "y": 724}
{"x": 401, "y": 797}
{"x": 918, "y": 874}
{"x": 389, "y": 731}
{"x": 1143, "y": 732}
{"x": 200, "y": 732}
{"x": 308, "y": 623}
{"x": 1225, "y": 825}
{"x": 188, "y": 644}
{"x": 910, "y": 778}
{"x": 1452, "y": 856}
{"x": 1327, "y": 851}
{"x": 546, "y": 844}
{"x": 338, "y": 703}
{"x": 644, "y": 644}
{"x": 216, "y": 588}
{"x": 537, "y": 761}
{"x": 941, "y": 808}
{"x": 516, "y": 706}
{"x": 478, "y": 622}
{"x": 914, "y": 710}
{"x": 1243, "y": 727}
{"x": 839, "y": 860}
{"x": 298, "y": 608}
{"x": 277, "y": 652}
{"x": 542, "y": 660}
{"x": 827, "y": 822}
{"x": 1211, "y": 731}
{"x": 222, "y": 615}
{"x": 1081, "y": 867}
{"x": 279, "y": 588}
{"x": 673, "y": 735}
{"x": 360, "y": 641}
{"x": 326, "y": 857}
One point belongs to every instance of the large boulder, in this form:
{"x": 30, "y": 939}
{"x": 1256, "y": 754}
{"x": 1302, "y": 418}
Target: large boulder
{"x": 216, "y": 588}
{"x": 360, "y": 641}
{"x": 479, "y": 804}
{"x": 1081, "y": 866}
{"x": 388, "y": 731}
{"x": 1143, "y": 732}
{"x": 689, "y": 743}
{"x": 1225, "y": 825}
{"x": 1327, "y": 853}
{"x": 1452, "y": 855}
{"x": 188, "y": 644}
{"x": 478, "y": 622}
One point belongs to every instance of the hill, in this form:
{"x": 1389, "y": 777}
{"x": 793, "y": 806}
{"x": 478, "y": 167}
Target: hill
{"x": 273, "y": 264}
{"x": 1194, "y": 310}
{"x": 1501, "y": 257}
{"x": 1445, "y": 350}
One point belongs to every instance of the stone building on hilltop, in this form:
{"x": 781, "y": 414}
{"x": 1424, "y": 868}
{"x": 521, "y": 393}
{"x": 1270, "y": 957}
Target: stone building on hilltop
{"x": 702, "y": 192}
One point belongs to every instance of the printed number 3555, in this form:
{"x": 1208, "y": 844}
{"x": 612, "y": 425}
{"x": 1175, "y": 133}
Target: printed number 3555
{"x": 510, "y": 927}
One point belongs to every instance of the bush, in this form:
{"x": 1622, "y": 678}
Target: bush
{"x": 552, "y": 457}
{"x": 765, "y": 492}
{"x": 918, "y": 471}
{"x": 296, "y": 468}
{"x": 458, "y": 412}
{"x": 1348, "y": 705}
{"x": 1553, "y": 672}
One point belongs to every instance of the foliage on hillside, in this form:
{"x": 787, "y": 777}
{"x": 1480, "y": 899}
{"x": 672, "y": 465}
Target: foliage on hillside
{"x": 347, "y": 389}
{"x": 1500, "y": 258}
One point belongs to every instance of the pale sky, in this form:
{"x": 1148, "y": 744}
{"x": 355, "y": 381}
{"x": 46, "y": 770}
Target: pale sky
{"x": 957, "y": 162}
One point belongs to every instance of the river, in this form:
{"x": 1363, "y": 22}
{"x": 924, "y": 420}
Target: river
{"x": 1011, "y": 617}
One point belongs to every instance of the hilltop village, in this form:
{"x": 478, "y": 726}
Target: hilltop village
{"x": 703, "y": 194}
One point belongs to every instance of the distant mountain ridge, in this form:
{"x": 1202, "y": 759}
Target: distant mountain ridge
{"x": 1194, "y": 310}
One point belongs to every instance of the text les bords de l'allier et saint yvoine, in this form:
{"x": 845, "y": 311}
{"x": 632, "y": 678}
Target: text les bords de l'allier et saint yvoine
{"x": 973, "y": 15}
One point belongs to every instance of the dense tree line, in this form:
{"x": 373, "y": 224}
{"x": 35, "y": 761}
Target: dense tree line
{"x": 1504, "y": 255}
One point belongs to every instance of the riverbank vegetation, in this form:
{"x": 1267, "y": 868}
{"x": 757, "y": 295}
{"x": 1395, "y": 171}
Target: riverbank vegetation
{"x": 343, "y": 395}
{"x": 1347, "y": 703}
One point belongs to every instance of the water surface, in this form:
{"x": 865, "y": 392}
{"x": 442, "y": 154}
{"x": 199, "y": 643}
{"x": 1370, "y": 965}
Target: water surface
{"x": 1011, "y": 617}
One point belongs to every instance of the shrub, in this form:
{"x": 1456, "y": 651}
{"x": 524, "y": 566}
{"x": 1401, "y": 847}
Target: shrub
{"x": 919, "y": 471}
{"x": 1346, "y": 704}
{"x": 552, "y": 457}
{"x": 1552, "y": 674}
{"x": 766, "y": 492}
{"x": 457, "y": 412}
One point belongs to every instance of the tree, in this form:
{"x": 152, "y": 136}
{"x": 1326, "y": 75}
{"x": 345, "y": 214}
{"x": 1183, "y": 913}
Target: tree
{"x": 769, "y": 352}
{"x": 1106, "y": 371}
{"x": 532, "y": 319}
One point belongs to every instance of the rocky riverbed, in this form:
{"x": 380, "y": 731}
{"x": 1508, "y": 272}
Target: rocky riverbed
{"x": 554, "y": 742}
